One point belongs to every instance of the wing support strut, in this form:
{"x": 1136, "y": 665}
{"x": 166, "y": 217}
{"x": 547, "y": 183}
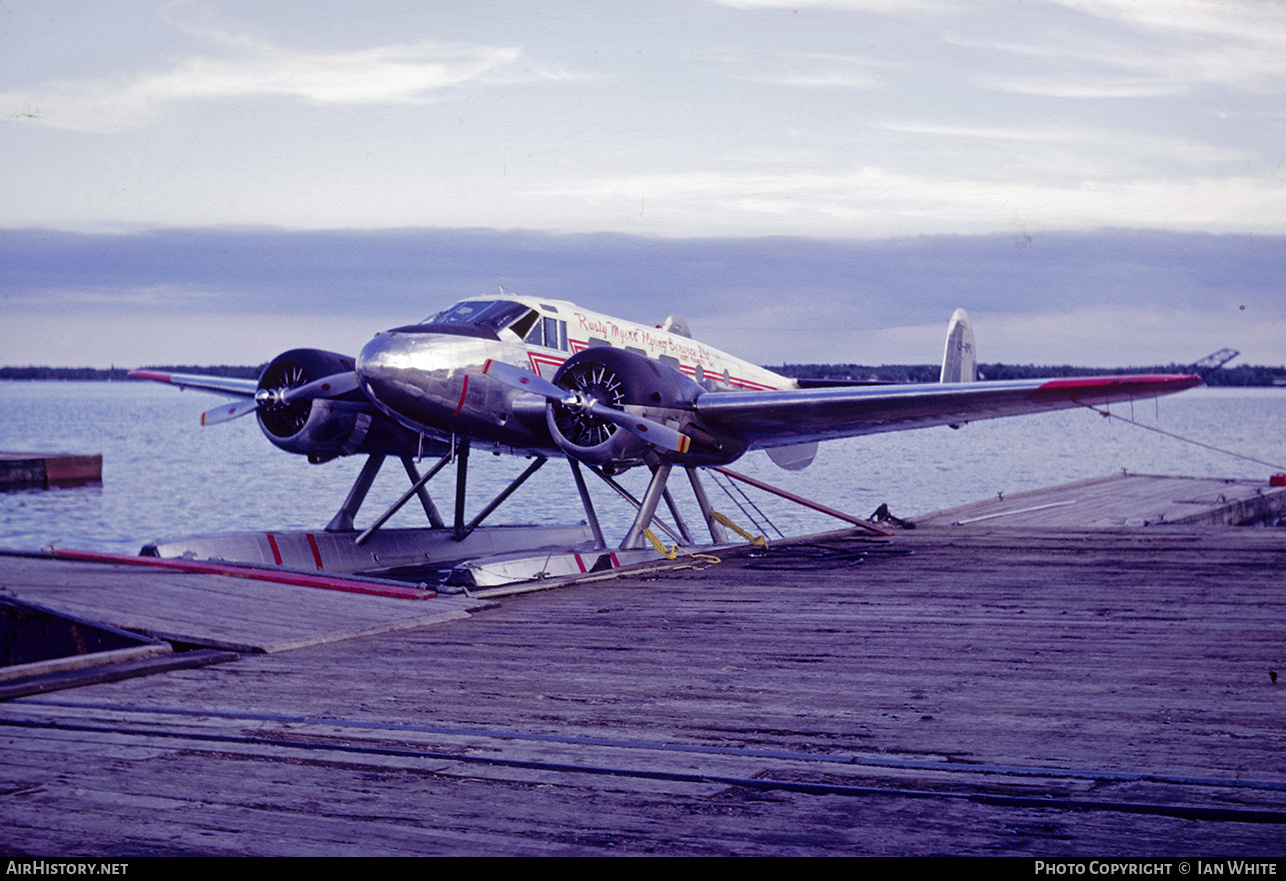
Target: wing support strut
{"x": 717, "y": 533}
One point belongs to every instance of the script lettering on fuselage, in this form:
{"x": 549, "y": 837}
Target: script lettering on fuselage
{"x": 656, "y": 343}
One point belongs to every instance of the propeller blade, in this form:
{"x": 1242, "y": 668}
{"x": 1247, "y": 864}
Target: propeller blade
{"x": 524, "y": 380}
{"x": 649, "y": 429}
{"x": 228, "y": 412}
{"x": 327, "y": 387}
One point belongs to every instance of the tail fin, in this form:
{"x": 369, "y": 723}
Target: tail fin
{"x": 960, "y": 360}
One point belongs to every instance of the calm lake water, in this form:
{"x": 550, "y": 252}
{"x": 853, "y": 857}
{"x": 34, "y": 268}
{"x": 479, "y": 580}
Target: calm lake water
{"x": 166, "y": 477}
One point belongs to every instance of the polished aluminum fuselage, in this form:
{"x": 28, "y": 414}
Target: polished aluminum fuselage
{"x": 429, "y": 377}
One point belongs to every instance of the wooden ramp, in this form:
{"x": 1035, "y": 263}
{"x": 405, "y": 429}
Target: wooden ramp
{"x": 1125, "y": 501}
{"x": 239, "y": 614}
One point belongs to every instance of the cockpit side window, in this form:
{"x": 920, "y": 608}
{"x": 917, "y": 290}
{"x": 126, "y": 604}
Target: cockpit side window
{"x": 523, "y": 325}
{"x": 491, "y": 316}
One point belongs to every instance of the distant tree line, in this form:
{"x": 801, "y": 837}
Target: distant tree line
{"x": 1241, "y": 375}
{"x": 118, "y": 373}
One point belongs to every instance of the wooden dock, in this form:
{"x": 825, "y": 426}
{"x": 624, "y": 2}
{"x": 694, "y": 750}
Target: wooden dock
{"x": 1127, "y": 501}
{"x": 999, "y": 689}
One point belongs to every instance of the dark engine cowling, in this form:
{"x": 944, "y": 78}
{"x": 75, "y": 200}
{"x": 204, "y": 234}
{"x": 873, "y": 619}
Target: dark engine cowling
{"x": 324, "y": 428}
{"x": 619, "y": 378}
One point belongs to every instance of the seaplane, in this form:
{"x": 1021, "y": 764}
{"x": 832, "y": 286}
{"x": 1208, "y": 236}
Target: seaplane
{"x": 545, "y": 378}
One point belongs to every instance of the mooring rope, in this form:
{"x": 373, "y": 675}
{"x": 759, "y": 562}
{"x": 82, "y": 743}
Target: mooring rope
{"x": 1111, "y": 415}
{"x": 672, "y": 553}
{"x": 751, "y": 517}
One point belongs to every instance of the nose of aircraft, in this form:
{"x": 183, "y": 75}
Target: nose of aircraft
{"x": 419, "y": 378}
{"x": 386, "y": 371}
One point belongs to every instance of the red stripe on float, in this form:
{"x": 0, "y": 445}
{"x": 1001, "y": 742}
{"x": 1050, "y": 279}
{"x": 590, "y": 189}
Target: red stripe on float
{"x": 312, "y": 545}
{"x": 276, "y": 551}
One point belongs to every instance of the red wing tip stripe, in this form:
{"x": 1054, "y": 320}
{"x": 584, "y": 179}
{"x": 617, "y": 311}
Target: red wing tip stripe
{"x": 1105, "y": 382}
{"x": 486, "y": 368}
{"x": 150, "y": 374}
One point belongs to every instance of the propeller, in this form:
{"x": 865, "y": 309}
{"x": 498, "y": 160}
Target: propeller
{"x": 327, "y": 387}
{"x": 649, "y": 429}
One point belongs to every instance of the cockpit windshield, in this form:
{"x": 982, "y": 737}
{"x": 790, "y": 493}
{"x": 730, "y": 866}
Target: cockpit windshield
{"x": 492, "y": 315}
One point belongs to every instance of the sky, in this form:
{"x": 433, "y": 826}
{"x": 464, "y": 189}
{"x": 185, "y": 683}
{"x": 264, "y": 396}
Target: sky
{"x": 1099, "y": 182}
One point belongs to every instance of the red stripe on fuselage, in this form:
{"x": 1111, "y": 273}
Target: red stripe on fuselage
{"x": 464, "y": 390}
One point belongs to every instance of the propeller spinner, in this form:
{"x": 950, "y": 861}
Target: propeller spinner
{"x": 272, "y": 398}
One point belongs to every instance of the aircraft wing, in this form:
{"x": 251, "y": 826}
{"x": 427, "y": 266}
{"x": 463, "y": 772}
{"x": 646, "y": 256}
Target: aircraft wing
{"x": 796, "y": 416}
{"x": 226, "y": 385}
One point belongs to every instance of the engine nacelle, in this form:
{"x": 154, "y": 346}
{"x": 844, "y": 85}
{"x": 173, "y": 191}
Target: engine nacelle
{"x": 635, "y": 383}
{"x": 324, "y": 428}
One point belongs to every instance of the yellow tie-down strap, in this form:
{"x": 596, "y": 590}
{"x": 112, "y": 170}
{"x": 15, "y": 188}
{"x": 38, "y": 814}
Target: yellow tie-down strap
{"x": 672, "y": 553}
{"x": 753, "y": 539}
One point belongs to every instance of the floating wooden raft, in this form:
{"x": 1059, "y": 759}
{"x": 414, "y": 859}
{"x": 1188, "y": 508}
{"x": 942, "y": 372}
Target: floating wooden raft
{"x": 45, "y": 470}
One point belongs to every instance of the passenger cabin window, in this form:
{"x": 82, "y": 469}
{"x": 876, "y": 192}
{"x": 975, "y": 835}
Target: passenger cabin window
{"x": 546, "y": 331}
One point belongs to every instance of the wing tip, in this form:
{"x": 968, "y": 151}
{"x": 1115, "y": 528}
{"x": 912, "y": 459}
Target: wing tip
{"x": 154, "y": 375}
{"x": 1128, "y": 386}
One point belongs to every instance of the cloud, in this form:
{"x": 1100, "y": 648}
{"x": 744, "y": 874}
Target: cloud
{"x": 813, "y": 70}
{"x": 1126, "y": 49}
{"x": 245, "y": 66}
{"x": 881, "y": 202}
{"x": 1107, "y": 298}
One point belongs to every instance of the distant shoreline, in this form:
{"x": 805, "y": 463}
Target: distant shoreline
{"x": 1245, "y": 375}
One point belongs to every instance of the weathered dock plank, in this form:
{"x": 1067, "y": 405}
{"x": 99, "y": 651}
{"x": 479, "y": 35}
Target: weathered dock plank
{"x": 234, "y": 613}
{"x": 990, "y": 692}
{"x": 1127, "y": 500}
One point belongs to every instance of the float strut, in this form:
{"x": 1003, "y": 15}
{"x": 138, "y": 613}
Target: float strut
{"x": 587, "y": 502}
{"x": 430, "y": 509}
{"x": 463, "y": 532}
{"x": 717, "y": 533}
{"x": 678, "y": 518}
{"x": 343, "y": 519}
{"x": 461, "y": 474}
{"x": 406, "y": 497}
{"x": 647, "y": 508}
